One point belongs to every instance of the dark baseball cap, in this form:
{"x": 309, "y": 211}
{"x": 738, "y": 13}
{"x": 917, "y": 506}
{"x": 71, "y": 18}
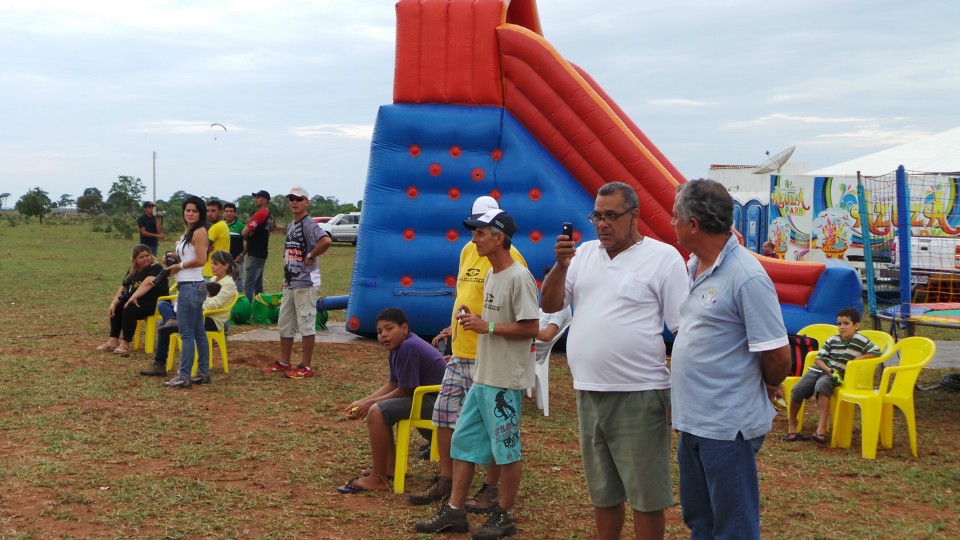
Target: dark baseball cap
{"x": 148, "y": 204}
{"x": 262, "y": 193}
{"x": 493, "y": 218}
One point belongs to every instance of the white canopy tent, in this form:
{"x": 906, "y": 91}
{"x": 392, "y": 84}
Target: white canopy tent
{"x": 938, "y": 153}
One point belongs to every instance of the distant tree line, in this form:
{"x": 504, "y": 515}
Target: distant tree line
{"x": 124, "y": 203}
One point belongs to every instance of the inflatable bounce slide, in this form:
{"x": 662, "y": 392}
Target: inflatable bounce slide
{"x": 483, "y": 105}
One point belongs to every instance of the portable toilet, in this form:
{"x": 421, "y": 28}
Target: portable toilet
{"x": 738, "y": 216}
{"x": 755, "y": 219}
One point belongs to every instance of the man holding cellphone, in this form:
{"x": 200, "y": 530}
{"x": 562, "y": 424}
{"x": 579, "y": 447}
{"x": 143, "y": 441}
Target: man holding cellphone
{"x": 626, "y": 288}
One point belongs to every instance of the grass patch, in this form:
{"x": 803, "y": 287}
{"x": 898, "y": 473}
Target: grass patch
{"x": 91, "y": 450}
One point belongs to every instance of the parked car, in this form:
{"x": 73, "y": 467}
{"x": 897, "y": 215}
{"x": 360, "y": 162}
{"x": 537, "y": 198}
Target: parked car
{"x": 343, "y": 227}
{"x": 322, "y": 219}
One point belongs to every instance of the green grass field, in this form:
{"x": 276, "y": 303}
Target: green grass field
{"x": 88, "y": 449}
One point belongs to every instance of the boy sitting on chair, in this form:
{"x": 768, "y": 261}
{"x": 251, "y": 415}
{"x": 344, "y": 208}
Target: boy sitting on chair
{"x": 413, "y": 363}
{"x": 828, "y": 371}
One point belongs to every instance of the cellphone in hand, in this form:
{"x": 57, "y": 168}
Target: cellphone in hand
{"x": 568, "y": 230}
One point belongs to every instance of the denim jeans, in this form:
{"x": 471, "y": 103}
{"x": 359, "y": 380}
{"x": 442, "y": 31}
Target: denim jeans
{"x": 190, "y": 323}
{"x": 253, "y": 280}
{"x": 163, "y": 340}
{"x": 719, "y": 487}
{"x": 166, "y": 311}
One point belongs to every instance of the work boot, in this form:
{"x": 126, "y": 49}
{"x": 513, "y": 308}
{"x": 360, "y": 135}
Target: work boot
{"x": 437, "y": 490}
{"x": 499, "y": 525}
{"x": 445, "y": 520}
{"x": 484, "y": 501}
{"x": 156, "y": 370}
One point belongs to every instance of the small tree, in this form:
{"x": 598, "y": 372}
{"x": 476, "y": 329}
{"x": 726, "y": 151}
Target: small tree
{"x": 91, "y": 202}
{"x": 35, "y": 202}
{"x": 323, "y": 206}
{"x": 280, "y": 209}
{"x": 124, "y": 196}
{"x": 3, "y": 199}
{"x": 65, "y": 201}
{"x": 245, "y": 207}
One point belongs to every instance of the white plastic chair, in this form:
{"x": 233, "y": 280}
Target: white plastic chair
{"x": 544, "y": 348}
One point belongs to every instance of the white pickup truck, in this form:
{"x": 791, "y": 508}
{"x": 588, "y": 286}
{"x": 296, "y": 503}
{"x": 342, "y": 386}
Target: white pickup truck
{"x": 935, "y": 268}
{"x": 932, "y": 255}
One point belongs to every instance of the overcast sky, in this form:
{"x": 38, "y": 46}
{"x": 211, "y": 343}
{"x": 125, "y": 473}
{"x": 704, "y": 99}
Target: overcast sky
{"x": 89, "y": 90}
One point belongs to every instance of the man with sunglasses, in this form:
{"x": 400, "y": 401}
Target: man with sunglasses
{"x": 624, "y": 288}
{"x": 306, "y": 241}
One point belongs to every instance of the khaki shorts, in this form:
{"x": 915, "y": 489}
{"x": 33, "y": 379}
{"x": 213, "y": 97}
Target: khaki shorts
{"x": 625, "y": 440}
{"x": 298, "y": 312}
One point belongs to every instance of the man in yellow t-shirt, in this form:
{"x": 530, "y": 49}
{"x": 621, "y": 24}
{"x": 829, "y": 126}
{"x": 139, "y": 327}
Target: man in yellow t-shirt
{"x": 218, "y": 233}
{"x": 458, "y": 378}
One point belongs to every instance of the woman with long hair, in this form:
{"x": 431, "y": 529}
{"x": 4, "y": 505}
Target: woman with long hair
{"x": 123, "y": 313}
{"x": 191, "y": 292}
{"x": 224, "y": 271}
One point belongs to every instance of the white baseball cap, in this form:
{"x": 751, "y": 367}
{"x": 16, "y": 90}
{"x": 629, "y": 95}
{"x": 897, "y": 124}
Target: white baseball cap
{"x": 482, "y": 205}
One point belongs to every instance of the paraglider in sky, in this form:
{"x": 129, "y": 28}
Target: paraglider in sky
{"x": 221, "y": 125}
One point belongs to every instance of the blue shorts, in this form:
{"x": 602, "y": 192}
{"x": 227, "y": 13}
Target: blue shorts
{"x": 489, "y": 426}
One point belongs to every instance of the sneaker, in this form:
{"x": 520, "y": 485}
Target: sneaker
{"x": 201, "y": 379}
{"x": 156, "y": 370}
{"x": 424, "y": 452}
{"x": 446, "y": 520}
{"x": 171, "y": 323}
{"x": 276, "y": 367}
{"x": 499, "y": 525}
{"x": 484, "y": 501}
{"x": 179, "y": 382}
{"x": 300, "y": 372}
{"x": 437, "y": 490}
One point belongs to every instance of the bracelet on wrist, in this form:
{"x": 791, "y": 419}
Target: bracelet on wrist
{"x": 491, "y": 328}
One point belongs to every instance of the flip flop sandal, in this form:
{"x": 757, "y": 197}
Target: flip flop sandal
{"x": 122, "y": 350}
{"x": 350, "y": 488}
{"x": 794, "y": 437}
{"x": 106, "y": 347}
{"x": 820, "y": 438}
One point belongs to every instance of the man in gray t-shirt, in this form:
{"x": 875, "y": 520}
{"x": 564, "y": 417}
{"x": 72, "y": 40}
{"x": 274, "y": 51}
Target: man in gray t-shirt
{"x": 301, "y": 274}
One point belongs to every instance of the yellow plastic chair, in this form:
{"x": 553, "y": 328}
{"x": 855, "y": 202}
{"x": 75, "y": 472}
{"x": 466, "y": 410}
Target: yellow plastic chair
{"x": 218, "y": 338}
{"x": 819, "y": 332}
{"x": 149, "y": 325}
{"x": 876, "y": 406}
{"x": 859, "y": 375}
{"x": 403, "y": 435}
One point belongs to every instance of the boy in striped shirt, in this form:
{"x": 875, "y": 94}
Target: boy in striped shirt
{"x": 828, "y": 371}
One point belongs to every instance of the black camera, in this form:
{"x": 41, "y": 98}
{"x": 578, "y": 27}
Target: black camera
{"x": 170, "y": 260}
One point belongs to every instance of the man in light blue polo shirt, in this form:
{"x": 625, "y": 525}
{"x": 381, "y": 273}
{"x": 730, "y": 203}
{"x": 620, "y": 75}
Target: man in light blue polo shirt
{"x": 730, "y": 346}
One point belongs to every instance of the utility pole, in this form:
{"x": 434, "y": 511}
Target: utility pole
{"x": 154, "y": 177}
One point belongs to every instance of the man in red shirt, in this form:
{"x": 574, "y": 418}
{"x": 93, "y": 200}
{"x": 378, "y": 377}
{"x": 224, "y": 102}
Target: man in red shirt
{"x": 257, "y": 233}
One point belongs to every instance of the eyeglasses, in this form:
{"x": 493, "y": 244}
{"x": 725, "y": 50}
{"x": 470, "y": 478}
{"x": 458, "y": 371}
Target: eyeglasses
{"x": 294, "y": 198}
{"x": 609, "y": 217}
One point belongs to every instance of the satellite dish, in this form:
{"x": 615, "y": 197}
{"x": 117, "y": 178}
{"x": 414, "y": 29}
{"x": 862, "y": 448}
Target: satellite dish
{"x": 774, "y": 163}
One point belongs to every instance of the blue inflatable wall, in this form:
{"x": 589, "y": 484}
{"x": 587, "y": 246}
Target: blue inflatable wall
{"x": 427, "y": 165}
